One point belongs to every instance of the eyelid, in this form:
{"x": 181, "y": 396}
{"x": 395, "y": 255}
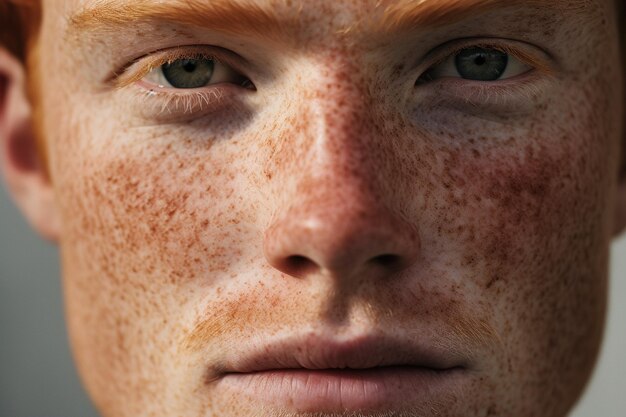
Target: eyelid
{"x": 142, "y": 66}
{"x": 444, "y": 52}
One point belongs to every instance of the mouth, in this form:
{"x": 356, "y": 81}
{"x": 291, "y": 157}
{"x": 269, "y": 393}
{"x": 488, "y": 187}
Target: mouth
{"x": 323, "y": 374}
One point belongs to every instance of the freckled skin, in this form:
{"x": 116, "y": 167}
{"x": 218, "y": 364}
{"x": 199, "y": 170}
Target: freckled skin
{"x": 179, "y": 239}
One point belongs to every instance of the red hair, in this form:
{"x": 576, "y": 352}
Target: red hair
{"x": 19, "y": 25}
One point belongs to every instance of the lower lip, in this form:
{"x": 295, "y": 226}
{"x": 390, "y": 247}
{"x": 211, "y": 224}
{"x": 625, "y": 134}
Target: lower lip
{"x": 374, "y": 389}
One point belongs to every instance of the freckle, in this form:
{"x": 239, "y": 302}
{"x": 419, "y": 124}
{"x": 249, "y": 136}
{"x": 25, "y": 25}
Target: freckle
{"x": 492, "y": 281}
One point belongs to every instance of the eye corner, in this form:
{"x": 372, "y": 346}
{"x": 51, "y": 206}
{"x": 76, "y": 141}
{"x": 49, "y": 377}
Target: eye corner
{"x": 424, "y": 79}
{"x": 130, "y": 73}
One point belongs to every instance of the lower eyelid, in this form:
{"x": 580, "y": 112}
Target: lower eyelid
{"x": 173, "y": 104}
{"x": 524, "y": 87}
{"x": 502, "y": 102}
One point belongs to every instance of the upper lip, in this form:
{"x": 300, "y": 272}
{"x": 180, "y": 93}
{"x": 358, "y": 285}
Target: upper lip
{"x": 319, "y": 351}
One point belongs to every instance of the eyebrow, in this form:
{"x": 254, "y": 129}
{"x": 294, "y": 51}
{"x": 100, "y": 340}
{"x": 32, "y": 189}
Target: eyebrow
{"x": 431, "y": 13}
{"x": 244, "y": 17}
{"x": 226, "y": 16}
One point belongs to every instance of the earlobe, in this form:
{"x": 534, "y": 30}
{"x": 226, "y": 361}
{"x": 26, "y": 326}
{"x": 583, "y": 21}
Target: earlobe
{"x": 24, "y": 173}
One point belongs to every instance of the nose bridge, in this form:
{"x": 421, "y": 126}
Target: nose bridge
{"x": 342, "y": 129}
{"x": 327, "y": 128}
{"x": 341, "y": 177}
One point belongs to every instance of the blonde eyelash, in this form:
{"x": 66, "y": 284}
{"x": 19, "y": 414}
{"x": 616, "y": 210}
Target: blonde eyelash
{"x": 501, "y": 95}
{"x": 525, "y": 57}
{"x": 500, "y": 92}
{"x": 163, "y": 101}
{"x": 179, "y": 103}
{"x": 191, "y": 101}
{"x": 138, "y": 69}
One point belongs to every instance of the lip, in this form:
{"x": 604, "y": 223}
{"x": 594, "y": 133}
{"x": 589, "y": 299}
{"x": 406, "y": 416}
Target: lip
{"x": 321, "y": 373}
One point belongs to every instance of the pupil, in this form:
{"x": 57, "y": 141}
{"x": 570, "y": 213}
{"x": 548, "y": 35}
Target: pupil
{"x": 480, "y": 60}
{"x": 481, "y": 64}
{"x": 190, "y": 66}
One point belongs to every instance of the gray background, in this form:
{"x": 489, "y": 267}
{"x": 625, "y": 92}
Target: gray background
{"x": 37, "y": 378}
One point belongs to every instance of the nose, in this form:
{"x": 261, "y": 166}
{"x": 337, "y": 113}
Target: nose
{"x": 340, "y": 219}
{"x": 342, "y": 235}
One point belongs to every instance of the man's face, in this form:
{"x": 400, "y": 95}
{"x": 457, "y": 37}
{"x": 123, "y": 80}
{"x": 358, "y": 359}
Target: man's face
{"x": 256, "y": 196}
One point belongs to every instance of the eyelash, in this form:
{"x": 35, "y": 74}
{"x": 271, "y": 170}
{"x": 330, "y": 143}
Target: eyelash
{"x": 494, "y": 91}
{"x": 172, "y": 100}
{"x": 188, "y": 102}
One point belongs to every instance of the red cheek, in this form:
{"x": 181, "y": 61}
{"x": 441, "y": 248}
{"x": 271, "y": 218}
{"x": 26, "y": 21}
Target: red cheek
{"x": 159, "y": 208}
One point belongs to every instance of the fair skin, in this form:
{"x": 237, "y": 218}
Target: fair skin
{"x": 325, "y": 205}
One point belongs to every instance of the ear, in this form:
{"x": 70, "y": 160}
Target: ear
{"x": 24, "y": 172}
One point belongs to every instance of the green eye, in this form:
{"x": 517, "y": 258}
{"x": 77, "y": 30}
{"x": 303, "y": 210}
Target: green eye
{"x": 193, "y": 70}
{"x": 189, "y": 73}
{"x": 477, "y": 63}
{"x": 481, "y": 64}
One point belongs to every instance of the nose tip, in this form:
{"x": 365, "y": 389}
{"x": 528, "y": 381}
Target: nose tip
{"x": 342, "y": 241}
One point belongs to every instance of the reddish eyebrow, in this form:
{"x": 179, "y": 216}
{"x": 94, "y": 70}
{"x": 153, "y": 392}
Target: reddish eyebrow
{"x": 227, "y": 16}
{"x": 247, "y": 17}
{"x": 405, "y": 15}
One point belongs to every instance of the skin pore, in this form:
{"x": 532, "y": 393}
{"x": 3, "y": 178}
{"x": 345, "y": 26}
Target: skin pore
{"x": 338, "y": 195}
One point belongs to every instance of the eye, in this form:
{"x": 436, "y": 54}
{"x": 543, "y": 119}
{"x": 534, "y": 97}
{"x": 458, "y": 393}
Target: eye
{"x": 194, "y": 72}
{"x": 477, "y": 64}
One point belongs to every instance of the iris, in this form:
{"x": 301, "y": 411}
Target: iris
{"x": 189, "y": 73}
{"x": 481, "y": 64}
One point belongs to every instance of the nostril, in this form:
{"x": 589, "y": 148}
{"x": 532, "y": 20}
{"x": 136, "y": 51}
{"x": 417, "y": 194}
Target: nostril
{"x": 387, "y": 261}
{"x": 298, "y": 265}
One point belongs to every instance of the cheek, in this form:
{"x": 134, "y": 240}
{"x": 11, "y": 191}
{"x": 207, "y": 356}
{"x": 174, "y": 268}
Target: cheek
{"x": 530, "y": 219}
{"x": 168, "y": 209}
{"x": 146, "y": 230}
{"x": 539, "y": 222}
{"x": 528, "y": 204}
